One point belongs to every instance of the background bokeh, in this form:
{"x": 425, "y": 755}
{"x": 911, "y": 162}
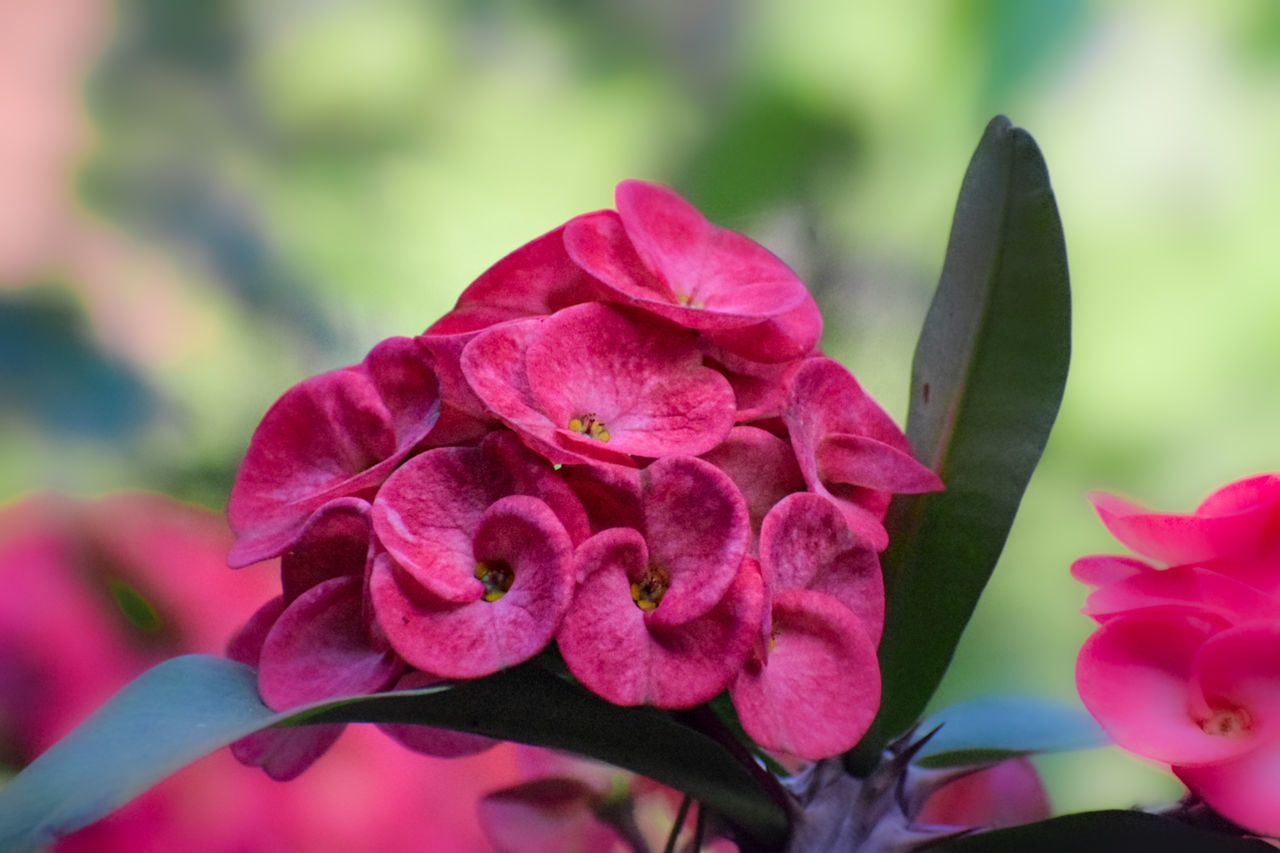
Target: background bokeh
{"x": 202, "y": 203}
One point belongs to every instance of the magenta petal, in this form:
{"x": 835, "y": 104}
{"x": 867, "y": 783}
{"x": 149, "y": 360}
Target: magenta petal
{"x": 642, "y": 378}
{"x": 1134, "y": 675}
{"x": 762, "y": 465}
{"x": 610, "y": 494}
{"x": 552, "y": 815}
{"x": 1104, "y": 569}
{"x": 610, "y": 648}
{"x": 1242, "y": 534}
{"x": 599, "y": 244}
{"x": 720, "y": 270}
{"x": 427, "y": 512}
{"x": 820, "y": 689}
{"x": 828, "y": 416}
{"x": 790, "y": 335}
{"x": 335, "y": 435}
{"x": 859, "y": 460}
{"x": 806, "y": 544}
{"x": 431, "y": 740}
{"x": 1238, "y": 670}
{"x": 696, "y": 527}
{"x": 603, "y": 638}
{"x": 1006, "y": 794}
{"x": 538, "y": 278}
{"x": 1192, "y": 586}
{"x": 334, "y": 542}
{"x": 285, "y": 753}
{"x": 1244, "y": 789}
{"x": 692, "y": 662}
{"x": 470, "y": 639}
{"x": 246, "y": 644}
{"x": 1262, "y": 490}
{"x": 318, "y": 649}
{"x": 425, "y": 516}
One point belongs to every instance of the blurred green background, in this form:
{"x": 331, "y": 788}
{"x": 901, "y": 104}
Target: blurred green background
{"x": 202, "y": 203}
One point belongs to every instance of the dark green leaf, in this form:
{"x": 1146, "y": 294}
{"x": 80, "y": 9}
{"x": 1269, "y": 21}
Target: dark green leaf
{"x": 1104, "y": 831}
{"x": 986, "y": 382}
{"x": 192, "y": 705}
{"x": 991, "y": 728}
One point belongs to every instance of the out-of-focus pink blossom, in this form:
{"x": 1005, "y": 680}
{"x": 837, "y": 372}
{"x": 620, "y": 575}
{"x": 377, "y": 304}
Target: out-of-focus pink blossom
{"x": 1007, "y": 794}
{"x": 102, "y": 590}
{"x": 1184, "y": 667}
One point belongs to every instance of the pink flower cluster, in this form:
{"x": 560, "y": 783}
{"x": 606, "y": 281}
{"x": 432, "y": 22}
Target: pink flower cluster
{"x": 622, "y": 439}
{"x": 1185, "y": 665}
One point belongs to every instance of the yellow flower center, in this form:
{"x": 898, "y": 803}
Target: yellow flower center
{"x": 688, "y": 300}
{"x": 589, "y": 424}
{"x": 648, "y": 591}
{"x": 497, "y": 577}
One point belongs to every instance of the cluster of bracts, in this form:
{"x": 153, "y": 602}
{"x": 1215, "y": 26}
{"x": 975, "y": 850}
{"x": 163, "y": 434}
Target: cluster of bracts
{"x": 1184, "y": 667}
{"x": 623, "y": 440}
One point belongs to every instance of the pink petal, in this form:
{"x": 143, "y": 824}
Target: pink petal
{"x": 555, "y": 815}
{"x": 859, "y": 460}
{"x": 478, "y": 637}
{"x": 538, "y": 278}
{"x": 246, "y": 644}
{"x": 1007, "y": 794}
{"x": 820, "y": 689}
{"x": 724, "y": 271}
{"x": 335, "y": 435}
{"x": 611, "y": 648}
{"x": 660, "y": 253}
{"x": 1192, "y": 586}
{"x": 1134, "y": 675}
{"x": 762, "y": 465}
{"x": 1238, "y": 670}
{"x": 598, "y": 243}
{"x": 806, "y": 544}
{"x": 641, "y": 377}
{"x": 334, "y": 542}
{"x": 696, "y": 528}
{"x": 1242, "y": 496}
{"x": 1104, "y": 569}
{"x": 285, "y": 753}
{"x": 1239, "y": 533}
{"x": 428, "y": 511}
{"x": 829, "y": 417}
{"x": 1244, "y": 789}
{"x": 611, "y": 494}
{"x": 318, "y": 649}
{"x": 778, "y": 340}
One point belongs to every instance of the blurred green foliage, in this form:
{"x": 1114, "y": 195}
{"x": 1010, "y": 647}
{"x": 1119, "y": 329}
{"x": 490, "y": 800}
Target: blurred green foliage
{"x": 310, "y": 177}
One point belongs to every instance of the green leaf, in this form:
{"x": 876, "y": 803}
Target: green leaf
{"x": 992, "y": 728}
{"x": 189, "y": 706}
{"x": 1101, "y": 831}
{"x": 986, "y": 382}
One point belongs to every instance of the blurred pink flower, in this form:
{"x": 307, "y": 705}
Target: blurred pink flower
{"x": 99, "y": 591}
{"x": 1185, "y": 665}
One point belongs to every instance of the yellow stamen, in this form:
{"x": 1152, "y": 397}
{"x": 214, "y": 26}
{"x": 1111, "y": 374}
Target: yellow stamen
{"x": 588, "y": 424}
{"x": 497, "y": 577}
{"x": 648, "y": 591}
